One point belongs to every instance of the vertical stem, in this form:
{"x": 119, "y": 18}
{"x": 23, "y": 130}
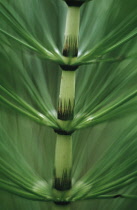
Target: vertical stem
{"x": 63, "y": 162}
{"x": 66, "y": 96}
{"x": 71, "y": 32}
{"x": 63, "y": 151}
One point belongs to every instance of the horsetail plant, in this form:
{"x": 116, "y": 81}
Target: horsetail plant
{"x": 74, "y": 78}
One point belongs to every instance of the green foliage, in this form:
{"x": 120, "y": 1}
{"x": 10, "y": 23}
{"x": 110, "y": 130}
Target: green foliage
{"x": 104, "y": 151}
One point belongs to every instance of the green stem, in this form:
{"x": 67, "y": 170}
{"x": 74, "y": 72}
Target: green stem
{"x": 71, "y": 32}
{"x": 63, "y": 162}
{"x": 67, "y": 95}
{"x": 63, "y": 151}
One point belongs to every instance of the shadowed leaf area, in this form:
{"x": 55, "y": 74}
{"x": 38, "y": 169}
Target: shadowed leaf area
{"x": 104, "y": 172}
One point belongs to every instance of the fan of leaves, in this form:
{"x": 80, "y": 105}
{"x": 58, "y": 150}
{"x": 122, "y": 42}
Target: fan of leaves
{"x": 106, "y": 91}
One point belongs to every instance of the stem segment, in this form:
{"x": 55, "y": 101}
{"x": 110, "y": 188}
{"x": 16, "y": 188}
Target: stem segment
{"x": 71, "y": 32}
{"x": 63, "y": 162}
{"x": 66, "y": 96}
